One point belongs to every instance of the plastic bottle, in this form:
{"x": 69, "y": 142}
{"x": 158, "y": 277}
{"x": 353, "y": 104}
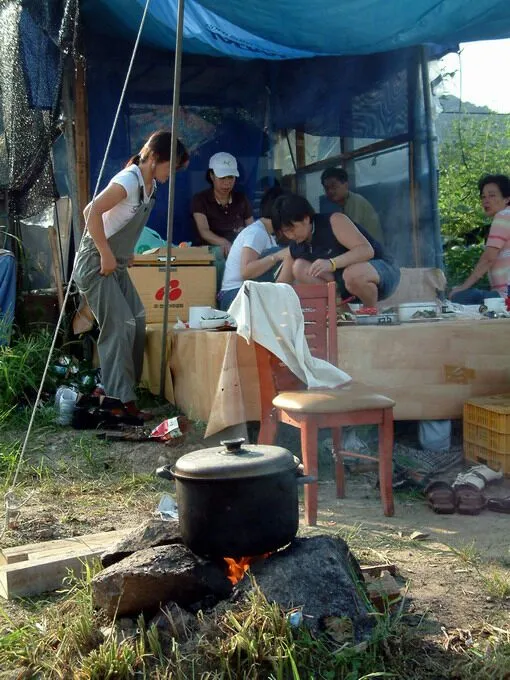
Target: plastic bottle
{"x": 65, "y": 401}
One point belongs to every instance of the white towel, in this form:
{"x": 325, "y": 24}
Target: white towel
{"x": 271, "y": 315}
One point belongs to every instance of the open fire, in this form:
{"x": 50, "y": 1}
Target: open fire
{"x": 236, "y": 569}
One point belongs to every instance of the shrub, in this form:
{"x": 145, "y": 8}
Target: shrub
{"x": 460, "y": 260}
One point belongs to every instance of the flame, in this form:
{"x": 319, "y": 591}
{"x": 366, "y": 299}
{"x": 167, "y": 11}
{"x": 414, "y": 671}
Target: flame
{"x": 236, "y": 569}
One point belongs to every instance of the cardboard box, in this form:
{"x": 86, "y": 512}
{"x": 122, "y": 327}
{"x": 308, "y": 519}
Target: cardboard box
{"x": 190, "y": 255}
{"x": 192, "y": 282}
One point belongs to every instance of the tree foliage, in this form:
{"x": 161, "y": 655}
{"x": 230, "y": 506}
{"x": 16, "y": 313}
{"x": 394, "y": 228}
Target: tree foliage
{"x": 474, "y": 146}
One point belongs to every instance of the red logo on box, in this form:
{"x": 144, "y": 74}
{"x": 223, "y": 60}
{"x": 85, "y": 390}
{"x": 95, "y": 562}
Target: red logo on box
{"x": 173, "y": 294}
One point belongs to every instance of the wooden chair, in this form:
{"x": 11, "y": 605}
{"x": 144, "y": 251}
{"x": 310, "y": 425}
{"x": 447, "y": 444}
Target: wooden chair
{"x": 284, "y": 398}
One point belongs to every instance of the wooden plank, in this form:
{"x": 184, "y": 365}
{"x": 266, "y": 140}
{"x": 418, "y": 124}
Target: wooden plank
{"x": 370, "y": 149}
{"x": 81, "y": 134}
{"x": 68, "y": 110}
{"x": 377, "y": 569}
{"x": 57, "y": 267}
{"x": 63, "y": 545}
{"x": 300, "y": 149}
{"x": 46, "y": 574}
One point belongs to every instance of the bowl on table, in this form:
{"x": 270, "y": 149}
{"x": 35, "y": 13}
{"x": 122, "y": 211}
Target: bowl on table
{"x": 412, "y": 311}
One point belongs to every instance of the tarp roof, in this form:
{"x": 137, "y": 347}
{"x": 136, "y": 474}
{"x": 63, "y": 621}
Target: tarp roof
{"x": 287, "y": 29}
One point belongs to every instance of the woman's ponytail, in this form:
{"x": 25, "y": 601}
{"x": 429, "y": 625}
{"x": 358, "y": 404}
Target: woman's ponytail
{"x": 159, "y": 144}
{"x": 134, "y": 160}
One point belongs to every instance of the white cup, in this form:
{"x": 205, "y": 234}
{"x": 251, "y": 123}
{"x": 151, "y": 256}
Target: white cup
{"x": 495, "y": 304}
{"x": 195, "y": 315}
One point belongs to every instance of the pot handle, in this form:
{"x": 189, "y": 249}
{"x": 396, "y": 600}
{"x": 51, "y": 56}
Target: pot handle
{"x": 233, "y": 445}
{"x": 165, "y": 472}
{"x": 301, "y": 480}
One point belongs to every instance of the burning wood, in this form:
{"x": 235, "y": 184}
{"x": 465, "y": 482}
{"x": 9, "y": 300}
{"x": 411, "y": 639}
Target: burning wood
{"x": 236, "y": 569}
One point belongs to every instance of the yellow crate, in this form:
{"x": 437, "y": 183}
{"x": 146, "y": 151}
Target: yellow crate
{"x": 495, "y": 460}
{"x": 491, "y": 412}
{"x": 488, "y": 439}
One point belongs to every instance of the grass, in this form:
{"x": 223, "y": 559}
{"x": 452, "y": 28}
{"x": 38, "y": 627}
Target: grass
{"x": 64, "y": 637}
{"x": 494, "y": 577}
{"x": 21, "y": 367}
{"x": 496, "y": 582}
{"x": 74, "y": 478}
{"x": 467, "y": 553}
{"x": 249, "y": 640}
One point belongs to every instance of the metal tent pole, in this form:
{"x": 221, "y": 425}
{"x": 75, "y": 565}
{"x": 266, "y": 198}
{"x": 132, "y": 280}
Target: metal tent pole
{"x": 171, "y": 188}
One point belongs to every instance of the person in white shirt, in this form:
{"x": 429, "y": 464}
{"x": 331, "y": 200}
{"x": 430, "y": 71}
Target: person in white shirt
{"x": 115, "y": 220}
{"x": 255, "y": 254}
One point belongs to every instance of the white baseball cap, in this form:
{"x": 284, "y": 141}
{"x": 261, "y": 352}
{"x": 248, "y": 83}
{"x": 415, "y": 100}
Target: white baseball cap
{"x": 223, "y": 165}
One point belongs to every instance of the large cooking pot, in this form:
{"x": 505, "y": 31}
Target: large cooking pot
{"x": 236, "y": 500}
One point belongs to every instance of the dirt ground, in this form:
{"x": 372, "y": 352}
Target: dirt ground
{"x": 456, "y": 573}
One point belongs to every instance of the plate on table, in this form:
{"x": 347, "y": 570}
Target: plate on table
{"x": 226, "y": 327}
{"x": 377, "y": 319}
{"x": 213, "y": 324}
{"x": 218, "y": 322}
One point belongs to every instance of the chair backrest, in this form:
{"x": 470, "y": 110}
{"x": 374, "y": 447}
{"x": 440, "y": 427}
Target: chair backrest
{"x": 318, "y": 302}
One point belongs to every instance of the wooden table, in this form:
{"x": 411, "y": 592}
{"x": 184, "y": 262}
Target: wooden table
{"x": 429, "y": 368}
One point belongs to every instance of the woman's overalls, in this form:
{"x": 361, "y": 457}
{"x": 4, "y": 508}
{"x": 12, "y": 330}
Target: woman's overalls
{"x": 116, "y": 305}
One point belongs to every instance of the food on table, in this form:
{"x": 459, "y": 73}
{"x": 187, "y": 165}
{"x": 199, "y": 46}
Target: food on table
{"x": 424, "y": 314}
{"x": 371, "y": 311}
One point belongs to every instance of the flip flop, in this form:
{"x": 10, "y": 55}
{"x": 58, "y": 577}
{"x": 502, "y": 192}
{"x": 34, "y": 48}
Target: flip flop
{"x": 499, "y": 505}
{"x": 441, "y": 498}
{"x": 469, "y": 499}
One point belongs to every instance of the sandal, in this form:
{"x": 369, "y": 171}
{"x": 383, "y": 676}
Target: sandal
{"x": 486, "y": 473}
{"x": 469, "y": 478}
{"x": 469, "y": 499}
{"x": 499, "y": 505}
{"x": 441, "y": 498}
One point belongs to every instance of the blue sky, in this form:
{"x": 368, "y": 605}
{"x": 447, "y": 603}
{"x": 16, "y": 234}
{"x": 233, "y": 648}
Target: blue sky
{"x": 484, "y": 67}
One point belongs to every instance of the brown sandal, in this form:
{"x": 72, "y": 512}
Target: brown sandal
{"x": 469, "y": 500}
{"x": 441, "y": 498}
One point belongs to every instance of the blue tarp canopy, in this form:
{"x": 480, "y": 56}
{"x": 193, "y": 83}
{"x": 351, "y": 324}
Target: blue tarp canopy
{"x": 286, "y": 29}
{"x": 330, "y": 68}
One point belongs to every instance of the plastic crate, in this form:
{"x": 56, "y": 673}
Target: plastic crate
{"x": 488, "y": 439}
{"x": 479, "y": 454}
{"x": 491, "y": 412}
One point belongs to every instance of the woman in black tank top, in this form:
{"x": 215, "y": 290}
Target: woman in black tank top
{"x": 333, "y": 248}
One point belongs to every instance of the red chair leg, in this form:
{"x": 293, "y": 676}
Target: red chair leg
{"x": 309, "y": 434}
{"x": 386, "y": 462}
{"x": 336, "y": 435}
{"x": 268, "y": 429}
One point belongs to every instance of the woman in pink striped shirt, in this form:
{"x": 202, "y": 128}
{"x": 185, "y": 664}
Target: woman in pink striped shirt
{"x": 495, "y": 260}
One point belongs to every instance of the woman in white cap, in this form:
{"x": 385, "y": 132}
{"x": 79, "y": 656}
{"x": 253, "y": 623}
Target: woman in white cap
{"x": 220, "y": 212}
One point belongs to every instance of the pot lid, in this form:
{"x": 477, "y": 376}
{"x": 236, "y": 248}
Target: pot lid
{"x": 234, "y": 460}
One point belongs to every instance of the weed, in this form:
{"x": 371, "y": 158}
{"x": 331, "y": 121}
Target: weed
{"x": 497, "y": 583}
{"x": 21, "y": 368}
{"x": 467, "y": 553}
{"x": 9, "y": 456}
{"x": 488, "y": 658}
